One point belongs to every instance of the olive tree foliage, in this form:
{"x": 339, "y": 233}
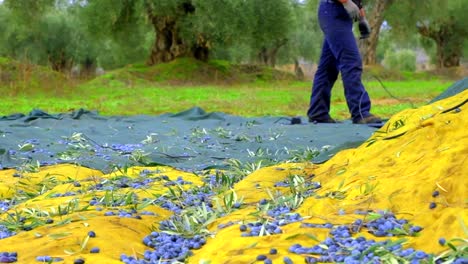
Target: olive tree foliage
{"x": 5, "y": 17}
{"x": 239, "y": 30}
{"x": 117, "y": 36}
{"x": 36, "y": 32}
{"x": 112, "y": 33}
{"x": 216, "y": 24}
{"x": 303, "y": 35}
{"x": 270, "y": 26}
{"x": 402, "y": 49}
{"x": 179, "y": 28}
{"x": 306, "y": 36}
{"x": 42, "y": 32}
{"x": 444, "y": 23}
{"x": 274, "y": 32}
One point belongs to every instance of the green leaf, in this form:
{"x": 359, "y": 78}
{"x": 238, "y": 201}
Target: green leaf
{"x": 374, "y": 216}
{"x": 84, "y": 243}
{"x": 312, "y": 237}
{"x": 464, "y": 227}
{"x": 64, "y": 222}
{"x": 69, "y": 252}
{"x": 292, "y": 236}
{"x": 450, "y": 245}
{"x": 399, "y": 231}
{"x": 59, "y": 235}
{"x": 340, "y": 171}
{"x": 262, "y": 231}
{"x": 370, "y": 142}
{"x": 341, "y": 184}
{"x": 252, "y": 245}
{"x": 26, "y": 147}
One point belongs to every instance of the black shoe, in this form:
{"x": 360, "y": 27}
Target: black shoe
{"x": 327, "y": 120}
{"x": 370, "y": 119}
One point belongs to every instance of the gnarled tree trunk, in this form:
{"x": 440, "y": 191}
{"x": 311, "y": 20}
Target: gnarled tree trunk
{"x": 60, "y": 62}
{"x": 263, "y": 56}
{"x": 168, "y": 44}
{"x": 368, "y": 47}
{"x": 267, "y": 56}
{"x": 298, "y": 70}
{"x": 201, "y": 49}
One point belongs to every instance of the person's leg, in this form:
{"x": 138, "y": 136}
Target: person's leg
{"x": 357, "y": 98}
{"x": 325, "y": 77}
{"x": 327, "y": 72}
{"x": 344, "y": 47}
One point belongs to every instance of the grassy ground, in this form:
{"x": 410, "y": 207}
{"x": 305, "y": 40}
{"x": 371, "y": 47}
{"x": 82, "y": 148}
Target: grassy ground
{"x": 177, "y": 87}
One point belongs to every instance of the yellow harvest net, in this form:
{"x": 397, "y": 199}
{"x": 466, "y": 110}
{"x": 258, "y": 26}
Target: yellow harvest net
{"x": 417, "y": 152}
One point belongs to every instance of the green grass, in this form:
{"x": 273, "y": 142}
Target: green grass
{"x": 177, "y": 86}
{"x": 259, "y": 99}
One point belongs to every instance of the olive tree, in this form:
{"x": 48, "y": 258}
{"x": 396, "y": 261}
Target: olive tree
{"x": 43, "y": 32}
{"x": 270, "y": 25}
{"x": 180, "y": 27}
{"x": 442, "y": 22}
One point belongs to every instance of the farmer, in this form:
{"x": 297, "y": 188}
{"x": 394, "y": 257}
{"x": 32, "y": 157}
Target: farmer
{"x": 340, "y": 54}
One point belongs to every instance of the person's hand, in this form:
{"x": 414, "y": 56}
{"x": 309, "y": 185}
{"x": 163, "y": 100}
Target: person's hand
{"x": 364, "y": 28}
{"x": 352, "y": 9}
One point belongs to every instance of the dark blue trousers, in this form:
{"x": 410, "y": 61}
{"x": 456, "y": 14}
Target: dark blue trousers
{"x": 340, "y": 54}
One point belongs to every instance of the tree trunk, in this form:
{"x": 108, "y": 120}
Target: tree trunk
{"x": 89, "y": 67}
{"x": 448, "y": 40}
{"x": 168, "y": 44}
{"x": 268, "y": 56}
{"x": 201, "y": 49}
{"x": 262, "y": 56}
{"x": 448, "y": 57}
{"x": 298, "y": 70}
{"x": 59, "y": 62}
{"x": 274, "y": 51}
{"x": 368, "y": 47}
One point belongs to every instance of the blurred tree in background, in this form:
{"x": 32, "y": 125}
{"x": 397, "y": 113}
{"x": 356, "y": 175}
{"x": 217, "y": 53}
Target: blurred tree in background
{"x": 376, "y": 15}
{"x": 442, "y": 22}
{"x": 40, "y": 32}
{"x": 403, "y": 60}
{"x": 305, "y": 37}
{"x": 112, "y": 33}
{"x": 270, "y": 25}
{"x": 180, "y": 28}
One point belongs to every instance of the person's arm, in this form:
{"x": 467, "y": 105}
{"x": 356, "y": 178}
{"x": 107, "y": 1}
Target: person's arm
{"x": 357, "y": 2}
{"x": 364, "y": 27}
{"x": 352, "y": 9}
